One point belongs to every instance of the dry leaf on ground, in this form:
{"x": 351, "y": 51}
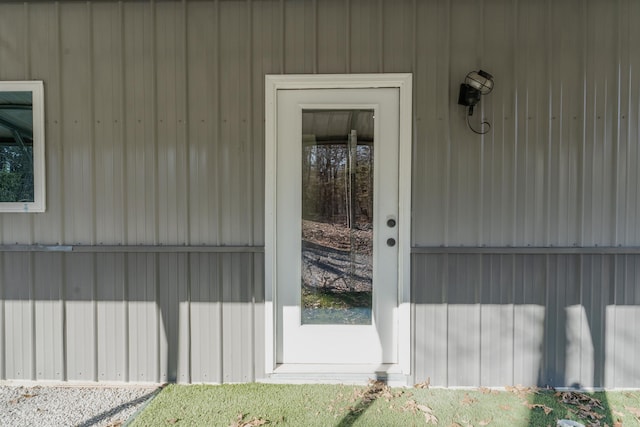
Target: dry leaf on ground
{"x": 240, "y": 422}
{"x": 468, "y": 400}
{"x": 584, "y": 403}
{"x": 412, "y": 406}
{"x": 522, "y": 391}
{"x": 375, "y": 389}
{"x": 545, "y": 408}
{"x": 577, "y": 399}
{"x": 634, "y": 411}
{"x": 424, "y": 384}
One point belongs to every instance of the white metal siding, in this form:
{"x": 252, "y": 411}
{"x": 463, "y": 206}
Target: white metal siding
{"x": 154, "y": 114}
{"x": 155, "y": 136}
{"x": 131, "y": 317}
{"x": 525, "y": 318}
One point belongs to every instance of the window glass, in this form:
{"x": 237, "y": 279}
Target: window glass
{"x": 21, "y": 147}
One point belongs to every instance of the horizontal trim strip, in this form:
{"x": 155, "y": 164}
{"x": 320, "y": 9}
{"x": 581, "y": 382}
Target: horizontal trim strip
{"x": 508, "y": 250}
{"x": 131, "y": 248}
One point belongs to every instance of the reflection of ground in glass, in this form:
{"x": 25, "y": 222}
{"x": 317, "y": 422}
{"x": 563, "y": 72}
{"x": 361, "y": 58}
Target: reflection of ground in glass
{"x": 336, "y": 283}
{"x": 337, "y": 316}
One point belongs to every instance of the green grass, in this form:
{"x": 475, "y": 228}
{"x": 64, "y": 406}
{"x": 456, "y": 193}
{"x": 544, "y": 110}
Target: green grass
{"x": 377, "y": 405}
{"x": 322, "y": 298}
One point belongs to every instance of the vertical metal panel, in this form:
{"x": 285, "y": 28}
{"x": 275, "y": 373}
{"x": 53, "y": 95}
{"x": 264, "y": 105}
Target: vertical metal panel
{"x": 531, "y": 115}
{"x": 398, "y": 42}
{"x": 462, "y": 166}
{"x": 300, "y": 37}
{"x": 80, "y": 318}
{"x": 76, "y": 101}
{"x": 140, "y": 122}
{"x": 234, "y": 205}
{"x": 497, "y": 320}
{"x": 144, "y": 319}
{"x": 332, "y": 36}
{"x": 597, "y": 276}
{"x": 46, "y": 64}
{"x": 12, "y": 34}
{"x": 463, "y": 320}
{"x": 174, "y": 340}
{"x": 365, "y": 49}
{"x": 429, "y": 289}
{"x": 203, "y": 106}
{"x": 237, "y": 318}
{"x": 205, "y": 319}
{"x": 561, "y": 295}
{"x": 111, "y": 317}
{"x": 172, "y": 146}
{"x": 106, "y": 57}
{"x": 49, "y": 316}
{"x": 565, "y": 61}
{"x": 431, "y": 153}
{"x": 497, "y": 48}
{"x": 19, "y": 328}
{"x": 530, "y": 290}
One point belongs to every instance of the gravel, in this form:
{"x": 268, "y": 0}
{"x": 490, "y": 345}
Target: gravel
{"x": 70, "y": 405}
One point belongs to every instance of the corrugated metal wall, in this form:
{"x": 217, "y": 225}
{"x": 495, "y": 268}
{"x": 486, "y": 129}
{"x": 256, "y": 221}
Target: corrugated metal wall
{"x": 138, "y": 317}
{"x": 556, "y": 318}
{"x": 155, "y": 136}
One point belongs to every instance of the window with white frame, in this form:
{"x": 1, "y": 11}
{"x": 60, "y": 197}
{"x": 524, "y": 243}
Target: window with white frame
{"x": 22, "y": 175}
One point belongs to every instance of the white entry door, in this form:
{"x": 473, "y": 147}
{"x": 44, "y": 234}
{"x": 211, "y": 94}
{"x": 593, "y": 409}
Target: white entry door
{"x": 337, "y": 226}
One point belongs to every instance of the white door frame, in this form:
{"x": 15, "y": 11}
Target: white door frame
{"x": 403, "y": 82}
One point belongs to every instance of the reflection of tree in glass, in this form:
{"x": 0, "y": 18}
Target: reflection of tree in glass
{"x": 16, "y": 146}
{"x": 336, "y": 256}
{"x": 16, "y": 173}
{"x": 324, "y": 184}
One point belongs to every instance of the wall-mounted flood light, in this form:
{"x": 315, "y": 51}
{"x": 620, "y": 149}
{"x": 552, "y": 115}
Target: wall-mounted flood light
{"x": 476, "y": 83}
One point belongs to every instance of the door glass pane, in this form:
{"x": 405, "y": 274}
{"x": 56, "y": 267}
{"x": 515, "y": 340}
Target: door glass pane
{"x": 337, "y": 216}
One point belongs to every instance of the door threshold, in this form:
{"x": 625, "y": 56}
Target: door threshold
{"x": 294, "y": 373}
